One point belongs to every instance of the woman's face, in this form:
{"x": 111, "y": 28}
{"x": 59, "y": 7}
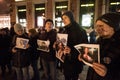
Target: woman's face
{"x": 19, "y": 32}
{"x": 104, "y": 30}
{"x": 66, "y": 20}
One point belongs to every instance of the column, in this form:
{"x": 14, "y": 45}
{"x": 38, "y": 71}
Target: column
{"x": 30, "y": 14}
{"x": 12, "y": 12}
{"x": 98, "y": 9}
{"x": 50, "y": 9}
{"x": 74, "y": 6}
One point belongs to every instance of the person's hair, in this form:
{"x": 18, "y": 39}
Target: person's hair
{"x": 69, "y": 14}
{"x": 49, "y": 20}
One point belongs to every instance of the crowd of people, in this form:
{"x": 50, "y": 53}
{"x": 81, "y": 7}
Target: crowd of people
{"x": 14, "y": 56}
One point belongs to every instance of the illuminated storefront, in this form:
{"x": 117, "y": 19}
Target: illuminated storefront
{"x": 5, "y": 21}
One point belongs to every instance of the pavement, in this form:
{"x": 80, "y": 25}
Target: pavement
{"x": 60, "y": 76}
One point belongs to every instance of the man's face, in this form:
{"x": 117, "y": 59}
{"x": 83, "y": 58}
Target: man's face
{"x": 48, "y": 26}
{"x": 103, "y": 30}
{"x": 66, "y": 20}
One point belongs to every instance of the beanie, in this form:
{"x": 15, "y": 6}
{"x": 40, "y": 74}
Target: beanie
{"x": 111, "y": 19}
{"x": 69, "y": 14}
{"x": 18, "y": 27}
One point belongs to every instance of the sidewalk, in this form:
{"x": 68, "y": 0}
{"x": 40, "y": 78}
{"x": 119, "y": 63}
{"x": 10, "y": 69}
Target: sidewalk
{"x": 60, "y": 76}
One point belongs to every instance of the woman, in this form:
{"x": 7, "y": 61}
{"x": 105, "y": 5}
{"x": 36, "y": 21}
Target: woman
{"x": 108, "y": 29}
{"x": 76, "y": 35}
{"x": 20, "y": 55}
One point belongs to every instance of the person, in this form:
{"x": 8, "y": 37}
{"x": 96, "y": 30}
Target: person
{"x": 20, "y": 56}
{"x": 32, "y": 33}
{"x": 5, "y": 56}
{"x": 76, "y": 35}
{"x": 108, "y": 29}
{"x": 93, "y": 36}
{"x": 48, "y": 59}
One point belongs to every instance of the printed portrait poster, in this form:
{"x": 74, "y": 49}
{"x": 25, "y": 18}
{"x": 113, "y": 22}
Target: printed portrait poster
{"x": 62, "y": 38}
{"x": 61, "y": 43}
{"x": 43, "y": 45}
{"x": 21, "y": 43}
{"x": 89, "y": 53}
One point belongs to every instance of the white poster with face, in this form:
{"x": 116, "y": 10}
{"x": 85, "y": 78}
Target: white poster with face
{"x": 89, "y": 53}
{"x": 43, "y": 45}
{"x": 21, "y": 43}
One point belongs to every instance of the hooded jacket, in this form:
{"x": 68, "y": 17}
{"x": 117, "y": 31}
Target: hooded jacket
{"x": 76, "y": 35}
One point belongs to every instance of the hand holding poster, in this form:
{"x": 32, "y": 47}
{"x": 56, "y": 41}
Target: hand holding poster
{"x": 89, "y": 53}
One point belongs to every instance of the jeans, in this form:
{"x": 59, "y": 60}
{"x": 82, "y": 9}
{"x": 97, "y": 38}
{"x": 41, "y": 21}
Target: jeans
{"x": 22, "y": 73}
{"x": 49, "y": 69}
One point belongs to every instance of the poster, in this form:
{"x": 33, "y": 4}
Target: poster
{"x": 43, "y": 45}
{"x": 21, "y": 43}
{"x": 89, "y": 53}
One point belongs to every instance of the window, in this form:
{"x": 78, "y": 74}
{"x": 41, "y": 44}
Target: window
{"x": 39, "y": 15}
{"x": 114, "y": 6}
{"x": 5, "y": 21}
{"x": 60, "y": 7}
{"x": 22, "y": 15}
{"x": 86, "y": 13}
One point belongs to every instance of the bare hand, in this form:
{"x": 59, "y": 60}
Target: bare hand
{"x": 100, "y": 69}
{"x": 14, "y": 50}
{"x": 79, "y": 57}
{"x": 67, "y": 50}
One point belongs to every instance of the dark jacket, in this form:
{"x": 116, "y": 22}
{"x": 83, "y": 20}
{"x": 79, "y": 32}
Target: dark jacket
{"x": 76, "y": 35}
{"x": 51, "y": 36}
{"x": 5, "y": 56}
{"x": 34, "y": 55}
{"x": 108, "y": 48}
{"x": 22, "y": 57}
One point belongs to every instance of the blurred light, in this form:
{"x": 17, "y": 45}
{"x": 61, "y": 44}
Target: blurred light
{"x": 60, "y": 7}
{"x": 59, "y": 19}
{"x": 40, "y": 9}
{"x": 86, "y": 20}
{"x": 21, "y": 10}
{"x": 115, "y": 3}
{"x": 1, "y": 0}
{"x": 40, "y": 21}
{"x": 87, "y": 5}
{"x": 19, "y": 0}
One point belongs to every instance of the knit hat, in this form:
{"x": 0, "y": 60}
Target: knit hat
{"x": 69, "y": 14}
{"x": 111, "y": 19}
{"x": 18, "y": 27}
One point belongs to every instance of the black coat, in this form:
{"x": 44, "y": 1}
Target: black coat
{"x": 51, "y": 36}
{"x": 22, "y": 57}
{"x": 76, "y": 35}
{"x": 34, "y": 55}
{"x": 108, "y": 48}
{"x": 5, "y": 41}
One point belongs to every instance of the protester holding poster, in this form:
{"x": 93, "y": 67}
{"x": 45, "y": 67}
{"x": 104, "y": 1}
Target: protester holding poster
{"x": 107, "y": 27}
{"x": 76, "y": 35}
{"x": 20, "y": 51}
{"x": 45, "y": 42}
